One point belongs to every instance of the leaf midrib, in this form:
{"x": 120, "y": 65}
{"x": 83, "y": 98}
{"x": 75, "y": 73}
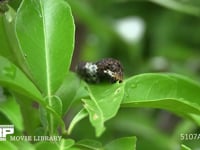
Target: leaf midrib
{"x": 46, "y": 50}
{"x": 47, "y": 63}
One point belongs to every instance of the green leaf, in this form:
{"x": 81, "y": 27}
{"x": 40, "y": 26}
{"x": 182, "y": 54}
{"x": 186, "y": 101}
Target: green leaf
{"x": 46, "y": 145}
{"x": 52, "y": 116}
{"x": 30, "y": 113}
{"x": 11, "y": 110}
{"x": 74, "y": 148}
{"x": 103, "y": 104}
{"x": 6, "y": 49}
{"x": 7, "y": 145}
{"x": 9, "y": 45}
{"x": 56, "y": 104}
{"x": 146, "y": 90}
{"x": 184, "y": 147}
{"x": 45, "y": 31}
{"x": 64, "y": 144}
{"x": 68, "y": 90}
{"x": 24, "y": 145}
{"x": 163, "y": 91}
{"x": 56, "y": 107}
{"x": 81, "y": 114}
{"x": 89, "y": 144}
{"x": 12, "y": 78}
{"x": 128, "y": 143}
{"x": 190, "y": 7}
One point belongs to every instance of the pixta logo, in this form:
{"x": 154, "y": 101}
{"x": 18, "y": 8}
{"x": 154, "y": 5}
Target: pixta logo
{"x": 5, "y": 130}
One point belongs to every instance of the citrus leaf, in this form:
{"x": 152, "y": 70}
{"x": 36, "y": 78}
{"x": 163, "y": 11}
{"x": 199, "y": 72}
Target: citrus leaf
{"x": 79, "y": 116}
{"x": 24, "y": 145}
{"x": 8, "y": 145}
{"x": 11, "y": 110}
{"x": 47, "y": 44}
{"x": 54, "y": 117}
{"x": 11, "y": 77}
{"x": 29, "y": 111}
{"x": 153, "y": 90}
{"x": 64, "y": 144}
{"x": 89, "y": 144}
{"x": 9, "y": 44}
{"x": 68, "y": 90}
{"x": 40, "y": 36}
{"x": 122, "y": 143}
{"x": 103, "y": 104}
{"x": 163, "y": 91}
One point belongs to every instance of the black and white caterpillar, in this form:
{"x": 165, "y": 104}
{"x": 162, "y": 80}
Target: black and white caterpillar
{"x": 107, "y": 69}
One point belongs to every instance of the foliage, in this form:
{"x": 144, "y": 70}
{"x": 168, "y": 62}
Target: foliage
{"x": 41, "y": 96}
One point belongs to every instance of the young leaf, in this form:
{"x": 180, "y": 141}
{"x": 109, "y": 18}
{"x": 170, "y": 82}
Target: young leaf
{"x": 96, "y": 115}
{"x": 66, "y": 143}
{"x": 122, "y": 143}
{"x": 163, "y": 91}
{"x": 81, "y": 114}
{"x": 103, "y": 104}
{"x": 54, "y": 119}
{"x": 56, "y": 107}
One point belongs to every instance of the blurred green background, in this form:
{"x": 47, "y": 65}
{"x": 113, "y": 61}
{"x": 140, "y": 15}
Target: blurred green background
{"x": 146, "y": 36}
